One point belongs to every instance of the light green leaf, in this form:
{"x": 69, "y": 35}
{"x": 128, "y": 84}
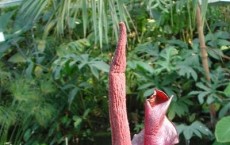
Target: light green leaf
{"x": 201, "y": 96}
{"x": 218, "y": 143}
{"x": 224, "y": 110}
{"x": 180, "y": 43}
{"x": 57, "y": 72}
{"x": 215, "y": 53}
{"x": 72, "y": 95}
{"x": 27, "y": 134}
{"x": 222, "y": 34}
{"x": 148, "y": 92}
{"x": 180, "y": 108}
{"x": 146, "y": 85}
{"x": 77, "y": 121}
{"x": 100, "y": 65}
{"x": 86, "y": 113}
{"x": 4, "y": 19}
{"x": 195, "y": 129}
{"x": 145, "y": 66}
{"x": 188, "y": 133}
{"x": 185, "y": 70}
{"x": 202, "y": 86}
{"x": 17, "y": 58}
{"x": 94, "y": 71}
{"x": 201, "y": 128}
{"x": 41, "y": 45}
{"x": 227, "y": 90}
{"x": 222, "y": 131}
{"x": 222, "y": 42}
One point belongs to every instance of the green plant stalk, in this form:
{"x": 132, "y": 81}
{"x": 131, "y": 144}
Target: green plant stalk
{"x": 204, "y": 54}
{"x": 204, "y": 57}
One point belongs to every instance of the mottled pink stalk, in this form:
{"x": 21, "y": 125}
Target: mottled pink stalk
{"x": 117, "y": 93}
{"x": 158, "y": 129}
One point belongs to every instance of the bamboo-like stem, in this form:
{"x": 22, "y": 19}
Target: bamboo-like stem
{"x": 204, "y": 54}
{"x": 204, "y": 57}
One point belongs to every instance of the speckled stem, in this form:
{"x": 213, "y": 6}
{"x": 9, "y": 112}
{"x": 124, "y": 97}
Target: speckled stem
{"x": 117, "y": 93}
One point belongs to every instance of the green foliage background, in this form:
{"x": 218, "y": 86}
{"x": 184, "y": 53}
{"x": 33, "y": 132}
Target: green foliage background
{"x": 55, "y": 60}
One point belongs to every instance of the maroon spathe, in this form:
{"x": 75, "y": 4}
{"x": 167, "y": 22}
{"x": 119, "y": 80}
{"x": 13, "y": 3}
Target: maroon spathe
{"x": 158, "y": 129}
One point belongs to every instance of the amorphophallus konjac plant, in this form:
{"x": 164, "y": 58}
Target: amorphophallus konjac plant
{"x": 158, "y": 130}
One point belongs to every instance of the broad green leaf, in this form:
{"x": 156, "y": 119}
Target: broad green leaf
{"x": 144, "y": 86}
{"x": 85, "y": 57}
{"x": 131, "y": 64}
{"x": 188, "y": 133}
{"x": 222, "y": 34}
{"x": 86, "y": 113}
{"x": 57, "y": 72}
{"x": 38, "y": 71}
{"x": 179, "y": 107}
{"x": 72, "y": 95}
{"x": 180, "y": 43}
{"x": 17, "y": 58}
{"x": 169, "y": 52}
{"x": 4, "y": 19}
{"x": 215, "y": 53}
{"x": 201, "y": 96}
{"x": 147, "y": 48}
{"x": 100, "y": 65}
{"x": 211, "y": 99}
{"x": 227, "y": 90}
{"x": 185, "y": 70}
{"x": 218, "y": 143}
{"x": 196, "y": 132}
{"x": 3, "y": 48}
{"x": 27, "y": 134}
{"x": 94, "y": 72}
{"x": 145, "y": 66}
{"x": 148, "y": 92}
{"x": 222, "y": 42}
{"x": 195, "y": 129}
{"x": 81, "y": 43}
{"x": 180, "y": 128}
{"x": 77, "y": 121}
{"x": 224, "y": 110}
{"x": 73, "y": 47}
{"x": 171, "y": 114}
{"x": 201, "y": 128}
{"x": 202, "y": 86}
{"x": 167, "y": 61}
{"x": 41, "y": 45}
{"x": 30, "y": 69}
{"x": 222, "y": 131}
{"x": 84, "y": 60}
{"x": 194, "y": 92}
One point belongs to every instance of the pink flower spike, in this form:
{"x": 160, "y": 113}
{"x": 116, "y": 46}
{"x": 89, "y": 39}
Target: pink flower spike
{"x": 117, "y": 93}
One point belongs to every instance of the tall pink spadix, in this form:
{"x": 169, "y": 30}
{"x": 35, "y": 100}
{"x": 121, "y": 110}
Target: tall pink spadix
{"x": 117, "y": 93}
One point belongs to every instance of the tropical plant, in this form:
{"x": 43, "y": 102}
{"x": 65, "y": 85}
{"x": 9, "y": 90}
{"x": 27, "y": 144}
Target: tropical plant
{"x": 54, "y": 68}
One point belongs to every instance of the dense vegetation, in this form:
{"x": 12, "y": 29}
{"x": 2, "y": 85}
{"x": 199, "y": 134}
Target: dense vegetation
{"x": 55, "y": 60}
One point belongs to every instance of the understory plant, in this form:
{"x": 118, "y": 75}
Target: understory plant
{"x": 55, "y": 59}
